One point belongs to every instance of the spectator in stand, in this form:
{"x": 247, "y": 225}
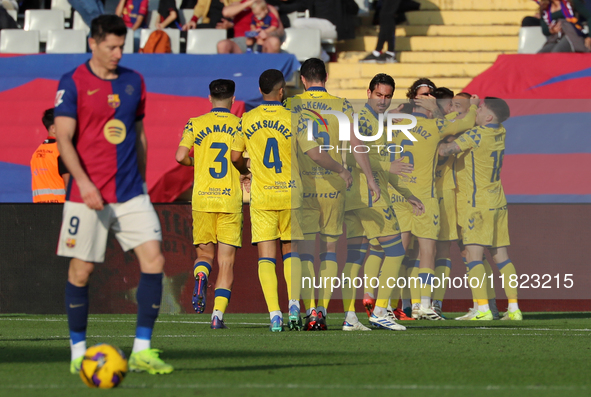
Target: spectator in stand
{"x": 562, "y": 27}
{"x": 134, "y": 13}
{"x": 261, "y": 20}
{"x": 285, "y": 7}
{"x": 387, "y": 15}
{"x": 88, "y": 9}
{"x": 211, "y": 13}
{"x": 49, "y": 173}
{"x": 169, "y": 15}
{"x": 241, "y": 14}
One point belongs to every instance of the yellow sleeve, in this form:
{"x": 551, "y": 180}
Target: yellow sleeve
{"x": 469, "y": 140}
{"x": 452, "y": 127}
{"x": 188, "y": 139}
{"x": 399, "y": 185}
{"x": 238, "y": 143}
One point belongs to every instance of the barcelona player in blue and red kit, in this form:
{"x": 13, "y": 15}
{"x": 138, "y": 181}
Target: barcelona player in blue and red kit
{"x": 99, "y": 108}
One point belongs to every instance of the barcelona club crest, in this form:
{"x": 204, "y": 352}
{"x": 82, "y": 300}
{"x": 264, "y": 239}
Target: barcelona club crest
{"x": 114, "y": 101}
{"x": 71, "y": 242}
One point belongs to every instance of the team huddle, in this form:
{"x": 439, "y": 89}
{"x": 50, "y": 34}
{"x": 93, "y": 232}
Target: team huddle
{"x": 309, "y": 185}
{"x": 432, "y": 178}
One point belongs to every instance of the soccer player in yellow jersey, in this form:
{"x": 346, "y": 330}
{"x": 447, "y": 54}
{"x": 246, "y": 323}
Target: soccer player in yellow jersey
{"x": 423, "y": 154}
{"x": 484, "y": 220}
{"x": 217, "y": 198}
{"x": 324, "y": 191}
{"x": 369, "y": 217}
{"x": 269, "y": 136}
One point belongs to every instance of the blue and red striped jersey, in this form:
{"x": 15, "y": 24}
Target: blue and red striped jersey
{"x": 106, "y": 112}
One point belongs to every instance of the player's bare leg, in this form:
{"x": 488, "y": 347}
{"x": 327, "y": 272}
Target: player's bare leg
{"x": 226, "y": 257}
{"x": 501, "y": 258}
{"x": 149, "y": 297}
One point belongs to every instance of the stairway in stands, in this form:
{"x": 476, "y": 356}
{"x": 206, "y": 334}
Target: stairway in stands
{"x": 448, "y": 41}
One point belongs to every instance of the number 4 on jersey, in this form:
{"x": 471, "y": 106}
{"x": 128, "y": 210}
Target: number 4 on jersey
{"x": 272, "y": 148}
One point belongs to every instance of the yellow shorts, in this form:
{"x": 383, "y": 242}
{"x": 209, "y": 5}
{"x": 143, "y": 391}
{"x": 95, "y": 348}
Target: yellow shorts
{"x": 268, "y": 225}
{"x": 403, "y": 211}
{"x": 486, "y": 226}
{"x": 324, "y": 213}
{"x": 462, "y": 205}
{"x": 448, "y": 216}
{"x": 371, "y": 222}
{"x": 428, "y": 224}
{"x": 217, "y": 227}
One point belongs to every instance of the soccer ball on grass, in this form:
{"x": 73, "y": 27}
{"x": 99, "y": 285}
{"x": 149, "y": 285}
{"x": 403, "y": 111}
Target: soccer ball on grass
{"x": 103, "y": 366}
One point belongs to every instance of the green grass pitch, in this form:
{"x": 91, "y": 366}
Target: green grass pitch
{"x": 545, "y": 355}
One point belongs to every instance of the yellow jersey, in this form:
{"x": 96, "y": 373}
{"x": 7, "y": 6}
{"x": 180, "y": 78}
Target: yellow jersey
{"x": 485, "y": 147}
{"x": 308, "y": 106}
{"x": 444, "y": 172}
{"x": 358, "y": 195}
{"x": 217, "y": 182}
{"x": 266, "y": 133}
{"x": 423, "y": 153}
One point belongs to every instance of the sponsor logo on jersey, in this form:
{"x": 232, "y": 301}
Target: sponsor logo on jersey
{"x": 115, "y": 131}
{"x": 59, "y": 97}
{"x": 89, "y": 92}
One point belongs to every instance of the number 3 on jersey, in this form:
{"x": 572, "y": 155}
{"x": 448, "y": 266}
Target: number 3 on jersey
{"x": 220, "y": 158}
{"x": 272, "y": 150}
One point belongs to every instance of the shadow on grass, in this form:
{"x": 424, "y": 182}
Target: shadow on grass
{"x": 269, "y": 367}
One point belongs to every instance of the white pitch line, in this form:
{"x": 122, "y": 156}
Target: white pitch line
{"x": 310, "y": 386}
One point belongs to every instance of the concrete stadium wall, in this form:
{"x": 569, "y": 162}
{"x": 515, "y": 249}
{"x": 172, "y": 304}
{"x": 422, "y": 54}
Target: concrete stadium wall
{"x": 546, "y": 239}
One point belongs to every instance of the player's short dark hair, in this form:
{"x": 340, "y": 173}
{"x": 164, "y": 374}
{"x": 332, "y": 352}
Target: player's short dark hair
{"x": 222, "y": 89}
{"x": 47, "y": 118}
{"x": 106, "y": 24}
{"x": 314, "y": 70}
{"x": 443, "y": 93}
{"x": 499, "y": 107}
{"x": 464, "y": 95}
{"x": 412, "y": 90}
{"x": 382, "y": 78}
{"x": 270, "y": 79}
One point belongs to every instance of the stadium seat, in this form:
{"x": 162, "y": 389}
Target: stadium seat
{"x": 128, "y": 47}
{"x": 62, "y": 5}
{"x": 531, "y": 40}
{"x": 204, "y": 41}
{"x": 66, "y": 41}
{"x": 18, "y": 41}
{"x": 173, "y": 34}
{"x": 43, "y": 21}
{"x": 79, "y": 24}
{"x": 303, "y": 43}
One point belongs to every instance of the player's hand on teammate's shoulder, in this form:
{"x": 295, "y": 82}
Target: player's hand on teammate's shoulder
{"x": 400, "y": 167}
{"x": 475, "y": 100}
{"x": 346, "y": 175}
{"x": 91, "y": 195}
{"x": 418, "y": 208}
